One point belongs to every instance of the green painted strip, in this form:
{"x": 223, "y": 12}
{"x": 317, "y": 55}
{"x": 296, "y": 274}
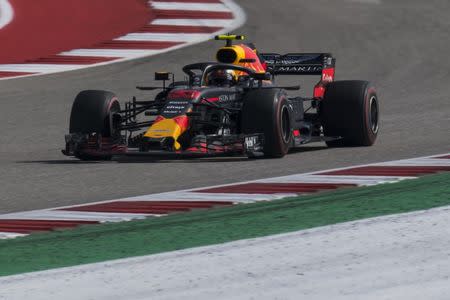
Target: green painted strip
{"x": 96, "y": 243}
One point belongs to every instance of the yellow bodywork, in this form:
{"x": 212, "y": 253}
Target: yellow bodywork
{"x": 165, "y": 128}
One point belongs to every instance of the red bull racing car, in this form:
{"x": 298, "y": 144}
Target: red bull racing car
{"x": 228, "y": 107}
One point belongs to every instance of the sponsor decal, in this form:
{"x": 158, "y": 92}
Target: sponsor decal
{"x": 176, "y": 107}
{"x": 326, "y": 77}
{"x": 227, "y": 98}
{"x": 299, "y": 69}
{"x": 251, "y": 141}
{"x": 327, "y": 74}
{"x": 291, "y": 59}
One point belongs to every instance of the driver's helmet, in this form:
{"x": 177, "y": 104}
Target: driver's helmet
{"x": 221, "y": 78}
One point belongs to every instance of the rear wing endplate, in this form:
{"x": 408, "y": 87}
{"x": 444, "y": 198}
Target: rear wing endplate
{"x": 298, "y": 63}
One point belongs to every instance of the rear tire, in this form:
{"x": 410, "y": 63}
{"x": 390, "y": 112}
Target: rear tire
{"x": 266, "y": 111}
{"x": 350, "y": 109}
{"x": 92, "y": 112}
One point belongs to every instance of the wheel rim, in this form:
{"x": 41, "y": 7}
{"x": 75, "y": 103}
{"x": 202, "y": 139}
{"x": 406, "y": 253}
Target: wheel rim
{"x": 285, "y": 127}
{"x": 373, "y": 114}
{"x": 113, "y": 119}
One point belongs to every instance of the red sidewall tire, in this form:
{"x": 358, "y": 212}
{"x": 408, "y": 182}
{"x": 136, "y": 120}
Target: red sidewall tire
{"x": 262, "y": 112}
{"x": 346, "y": 111}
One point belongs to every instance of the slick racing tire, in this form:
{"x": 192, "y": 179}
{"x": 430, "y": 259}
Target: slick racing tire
{"x": 267, "y": 111}
{"x": 92, "y": 112}
{"x": 350, "y": 110}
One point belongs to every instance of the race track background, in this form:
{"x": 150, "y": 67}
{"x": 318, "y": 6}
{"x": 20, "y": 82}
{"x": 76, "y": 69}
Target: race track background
{"x": 400, "y": 46}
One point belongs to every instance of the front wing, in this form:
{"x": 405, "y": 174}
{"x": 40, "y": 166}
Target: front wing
{"x": 96, "y": 146}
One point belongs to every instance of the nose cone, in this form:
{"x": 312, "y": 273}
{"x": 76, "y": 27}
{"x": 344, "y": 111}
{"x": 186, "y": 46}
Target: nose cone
{"x": 164, "y": 128}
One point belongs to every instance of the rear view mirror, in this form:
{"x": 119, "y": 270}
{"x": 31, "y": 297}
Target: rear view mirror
{"x": 161, "y": 76}
{"x": 247, "y": 60}
{"x": 261, "y": 76}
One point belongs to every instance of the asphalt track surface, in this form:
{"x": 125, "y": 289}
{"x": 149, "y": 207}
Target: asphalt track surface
{"x": 401, "y": 46}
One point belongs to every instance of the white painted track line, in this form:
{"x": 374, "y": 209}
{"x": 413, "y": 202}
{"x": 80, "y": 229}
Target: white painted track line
{"x": 10, "y": 235}
{"x": 165, "y": 37}
{"x": 201, "y": 197}
{"x": 418, "y": 162}
{"x": 128, "y": 53}
{"x": 190, "y": 6}
{"x": 44, "y": 68}
{"x": 234, "y": 197}
{"x": 194, "y": 22}
{"x": 66, "y": 215}
{"x": 344, "y": 179}
{"x": 6, "y": 13}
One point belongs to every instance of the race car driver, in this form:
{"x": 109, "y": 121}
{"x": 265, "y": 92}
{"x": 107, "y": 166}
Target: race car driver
{"x": 222, "y": 78}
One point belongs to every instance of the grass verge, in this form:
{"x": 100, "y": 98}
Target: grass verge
{"x": 95, "y": 243}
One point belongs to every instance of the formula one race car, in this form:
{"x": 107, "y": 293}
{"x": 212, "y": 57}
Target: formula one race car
{"x": 228, "y": 107}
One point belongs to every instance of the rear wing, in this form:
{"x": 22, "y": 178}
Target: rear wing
{"x": 298, "y": 63}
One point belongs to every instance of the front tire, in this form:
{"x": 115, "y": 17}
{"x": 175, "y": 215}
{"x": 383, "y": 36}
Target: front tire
{"x": 92, "y": 113}
{"x": 267, "y": 111}
{"x": 350, "y": 110}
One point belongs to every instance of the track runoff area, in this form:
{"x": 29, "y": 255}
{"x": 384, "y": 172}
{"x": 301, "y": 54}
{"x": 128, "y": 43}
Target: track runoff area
{"x": 141, "y": 29}
{"x": 21, "y": 224}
